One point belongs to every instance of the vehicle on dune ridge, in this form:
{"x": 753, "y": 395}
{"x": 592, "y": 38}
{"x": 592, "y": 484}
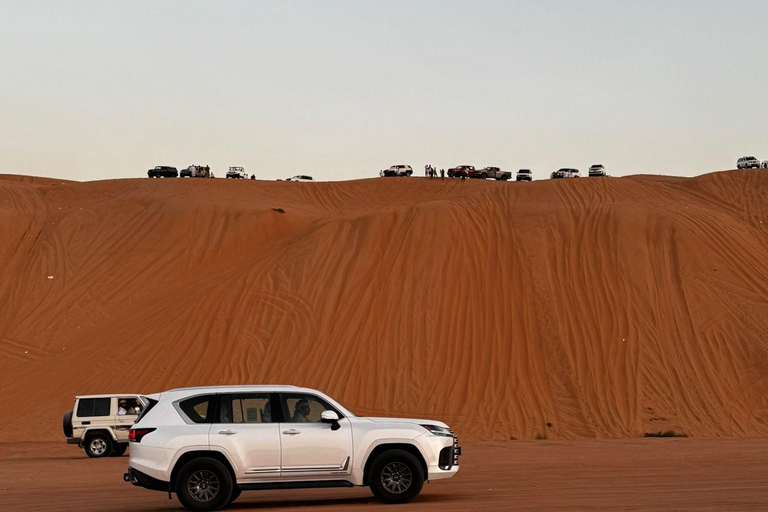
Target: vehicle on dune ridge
{"x": 396, "y": 171}
{"x": 597, "y": 171}
{"x": 748, "y": 162}
{"x": 524, "y": 175}
{"x": 565, "y": 173}
{"x": 491, "y": 172}
{"x": 461, "y": 170}
{"x": 196, "y": 171}
{"x": 237, "y": 173}
{"x": 209, "y": 444}
{"x": 163, "y": 171}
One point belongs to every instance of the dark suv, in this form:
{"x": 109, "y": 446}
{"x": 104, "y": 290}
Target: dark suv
{"x": 163, "y": 171}
{"x": 461, "y": 170}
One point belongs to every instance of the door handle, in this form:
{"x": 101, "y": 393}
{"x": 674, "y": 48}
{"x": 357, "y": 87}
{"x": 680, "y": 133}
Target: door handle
{"x": 291, "y": 432}
{"x": 227, "y": 432}
{"x": 86, "y": 423}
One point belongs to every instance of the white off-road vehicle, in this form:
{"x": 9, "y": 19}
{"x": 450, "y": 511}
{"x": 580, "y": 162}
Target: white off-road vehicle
{"x": 396, "y": 170}
{"x": 597, "y": 171}
{"x": 524, "y": 175}
{"x": 209, "y": 444}
{"x": 565, "y": 173}
{"x": 237, "y": 173}
{"x": 764, "y": 165}
{"x": 100, "y": 424}
{"x": 748, "y": 162}
{"x": 301, "y": 178}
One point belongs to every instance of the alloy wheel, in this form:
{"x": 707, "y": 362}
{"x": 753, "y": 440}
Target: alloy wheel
{"x": 396, "y": 477}
{"x": 203, "y": 485}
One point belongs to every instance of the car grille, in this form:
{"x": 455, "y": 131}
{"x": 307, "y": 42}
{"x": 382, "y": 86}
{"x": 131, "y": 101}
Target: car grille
{"x": 449, "y": 456}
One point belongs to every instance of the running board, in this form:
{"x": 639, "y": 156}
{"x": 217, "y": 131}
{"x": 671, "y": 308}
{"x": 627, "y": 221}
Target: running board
{"x": 317, "y": 484}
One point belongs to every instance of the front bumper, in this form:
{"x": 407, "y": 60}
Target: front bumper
{"x": 443, "y": 455}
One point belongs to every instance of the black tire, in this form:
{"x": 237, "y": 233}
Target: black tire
{"x": 204, "y": 484}
{"x": 98, "y": 445}
{"x": 396, "y": 477}
{"x": 67, "y": 424}
{"x": 484, "y": 176}
{"x": 119, "y": 450}
{"x": 235, "y": 494}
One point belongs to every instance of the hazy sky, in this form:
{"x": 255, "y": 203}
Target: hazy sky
{"x": 340, "y": 89}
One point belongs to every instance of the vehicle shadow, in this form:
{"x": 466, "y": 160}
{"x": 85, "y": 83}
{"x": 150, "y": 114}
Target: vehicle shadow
{"x": 332, "y": 502}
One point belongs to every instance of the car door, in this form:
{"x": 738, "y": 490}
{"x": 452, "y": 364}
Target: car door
{"x": 124, "y": 422}
{"x": 245, "y": 430}
{"x": 311, "y": 448}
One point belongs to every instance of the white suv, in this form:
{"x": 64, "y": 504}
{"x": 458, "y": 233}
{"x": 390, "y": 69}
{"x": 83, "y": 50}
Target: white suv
{"x": 100, "y": 424}
{"x": 596, "y": 171}
{"x": 396, "y": 170}
{"x": 209, "y": 444}
{"x": 748, "y": 162}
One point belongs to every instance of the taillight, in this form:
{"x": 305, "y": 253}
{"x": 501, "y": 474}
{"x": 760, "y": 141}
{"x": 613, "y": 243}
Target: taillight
{"x": 136, "y": 434}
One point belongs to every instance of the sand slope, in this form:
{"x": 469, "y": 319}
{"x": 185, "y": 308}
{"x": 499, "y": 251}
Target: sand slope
{"x": 575, "y": 308}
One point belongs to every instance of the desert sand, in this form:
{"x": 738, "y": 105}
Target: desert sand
{"x": 570, "y": 309}
{"x": 639, "y": 475}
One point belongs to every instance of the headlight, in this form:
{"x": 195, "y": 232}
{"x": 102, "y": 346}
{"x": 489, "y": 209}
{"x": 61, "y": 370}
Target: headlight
{"x": 438, "y": 431}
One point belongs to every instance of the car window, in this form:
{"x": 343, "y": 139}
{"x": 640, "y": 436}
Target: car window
{"x": 89, "y": 407}
{"x": 197, "y": 408}
{"x": 304, "y": 408}
{"x": 245, "y": 408}
{"x": 128, "y": 406}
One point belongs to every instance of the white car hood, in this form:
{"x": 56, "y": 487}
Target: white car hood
{"x": 407, "y": 420}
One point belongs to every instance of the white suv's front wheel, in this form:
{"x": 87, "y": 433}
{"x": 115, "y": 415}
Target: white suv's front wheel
{"x": 396, "y": 477}
{"x": 204, "y": 484}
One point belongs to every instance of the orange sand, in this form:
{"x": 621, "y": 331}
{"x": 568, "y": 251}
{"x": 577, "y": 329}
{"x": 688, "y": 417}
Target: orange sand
{"x": 566, "y": 309}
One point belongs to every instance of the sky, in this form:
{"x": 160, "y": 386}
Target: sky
{"x": 338, "y": 90}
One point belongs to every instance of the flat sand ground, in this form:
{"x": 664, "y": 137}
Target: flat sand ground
{"x": 636, "y": 474}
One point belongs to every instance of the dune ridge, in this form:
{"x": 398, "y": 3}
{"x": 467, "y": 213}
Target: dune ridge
{"x": 562, "y": 309}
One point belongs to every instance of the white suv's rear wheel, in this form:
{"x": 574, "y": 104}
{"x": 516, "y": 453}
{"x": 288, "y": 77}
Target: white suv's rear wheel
{"x": 396, "y": 477}
{"x": 204, "y": 484}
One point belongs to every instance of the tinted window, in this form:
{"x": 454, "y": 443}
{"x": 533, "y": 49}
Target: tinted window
{"x": 89, "y": 407}
{"x": 197, "y": 408}
{"x": 302, "y": 408}
{"x": 245, "y": 408}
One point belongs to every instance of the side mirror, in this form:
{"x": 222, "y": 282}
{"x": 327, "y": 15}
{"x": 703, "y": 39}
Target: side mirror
{"x": 332, "y": 418}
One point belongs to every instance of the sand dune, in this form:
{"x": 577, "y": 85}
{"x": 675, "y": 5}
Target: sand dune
{"x": 566, "y": 309}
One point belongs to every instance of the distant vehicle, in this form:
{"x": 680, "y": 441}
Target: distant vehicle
{"x": 492, "y": 172}
{"x": 565, "y": 173}
{"x": 396, "y": 170}
{"x": 524, "y": 175}
{"x": 97, "y": 425}
{"x": 748, "y": 162}
{"x": 596, "y": 171}
{"x": 301, "y": 177}
{"x": 163, "y": 171}
{"x": 765, "y": 165}
{"x": 461, "y": 170}
{"x": 196, "y": 171}
{"x": 237, "y": 173}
